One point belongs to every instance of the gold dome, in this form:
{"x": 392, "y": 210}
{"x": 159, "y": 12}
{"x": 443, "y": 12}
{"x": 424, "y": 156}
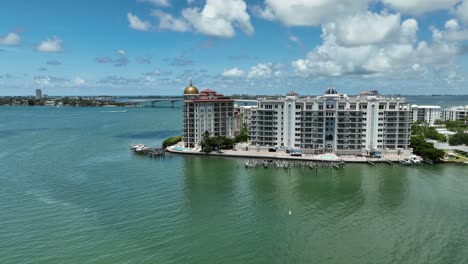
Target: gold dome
{"x": 190, "y": 90}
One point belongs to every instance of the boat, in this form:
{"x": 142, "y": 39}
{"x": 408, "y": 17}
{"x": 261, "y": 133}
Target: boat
{"x": 136, "y": 146}
{"x": 415, "y": 159}
{"x": 405, "y": 162}
{"x": 142, "y": 149}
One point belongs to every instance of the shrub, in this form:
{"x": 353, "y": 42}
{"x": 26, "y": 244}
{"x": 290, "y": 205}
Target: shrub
{"x": 171, "y": 141}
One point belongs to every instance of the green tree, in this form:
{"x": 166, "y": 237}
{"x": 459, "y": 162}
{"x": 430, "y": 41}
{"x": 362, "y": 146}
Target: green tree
{"x": 171, "y": 141}
{"x": 425, "y": 149}
{"x": 420, "y": 129}
{"x": 459, "y": 138}
{"x": 243, "y": 136}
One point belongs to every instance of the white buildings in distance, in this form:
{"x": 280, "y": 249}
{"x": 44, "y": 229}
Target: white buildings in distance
{"x": 333, "y": 122}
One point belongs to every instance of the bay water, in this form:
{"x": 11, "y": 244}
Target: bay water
{"x": 71, "y": 191}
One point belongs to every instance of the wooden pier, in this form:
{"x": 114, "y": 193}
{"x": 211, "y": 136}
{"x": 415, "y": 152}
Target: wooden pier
{"x": 293, "y": 164}
{"x": 151, "y": 152}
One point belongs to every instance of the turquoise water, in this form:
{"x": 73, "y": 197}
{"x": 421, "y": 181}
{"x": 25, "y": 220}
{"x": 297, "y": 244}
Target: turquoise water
{"x": 71, "y": 191}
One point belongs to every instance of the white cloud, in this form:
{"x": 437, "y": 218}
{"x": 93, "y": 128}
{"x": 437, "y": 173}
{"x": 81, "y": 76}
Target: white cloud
{"x": 308, "y": 12}
{"x": 420, "y": 6}
{"x": 364, "y": 29}
{"x": 264, "y": 70}
{"x": 452, "y": 32}
{"x": 138, "y": 24}
{"x": 10, "y": 39}
{"x": 234, "y": 72}
{"x": 52, "y": 45}
{"x": 167, "y": 21}
{"x": 265, "y": 13}
{"x": 462, "y": 11}
{"x": 295, "y": 39}
{"x": 79, "y": 82}
{"x": 340, "y": 55}
{"x": 157, "y": 2}
{"x": 219, "y": 17}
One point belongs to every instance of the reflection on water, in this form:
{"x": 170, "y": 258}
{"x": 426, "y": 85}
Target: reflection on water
{"x": 392, "y": 187}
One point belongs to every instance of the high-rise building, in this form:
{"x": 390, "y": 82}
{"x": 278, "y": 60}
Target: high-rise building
{"x": 38, "y": 94}
{"x": 426, "y": 113}
{"x": 455, "y": 113}
{"x": 333, "y": 122}
{"x": 206, "y": 111}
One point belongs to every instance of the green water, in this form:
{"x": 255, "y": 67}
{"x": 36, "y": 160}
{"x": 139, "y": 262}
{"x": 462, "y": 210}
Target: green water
{"x": 72, "y": 192}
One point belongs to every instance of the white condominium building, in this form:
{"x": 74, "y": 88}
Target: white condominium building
{"x": 332, "y": 122}
{"x": 426, "y": 113}
{"x": 455, "y": 113}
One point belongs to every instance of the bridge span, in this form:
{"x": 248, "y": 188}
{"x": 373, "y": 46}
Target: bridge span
{"x": 154, "y": 101}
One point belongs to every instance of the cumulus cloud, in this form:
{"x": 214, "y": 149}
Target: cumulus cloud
{"x": 10, "y": 39}
{"x": 234, "y": 72}
{"x": 136, "y": 23}
{"x": 79, "y": 82}
{"x": 452, "y": 32}
{"x": 264, "y": 70}
{"x": 340, "y": 54}
{"x": 51, "y": 45}
{"x": 308, "y": 12}
{"x": 157, "y": 2}
{"x": 45, "y": 80}
{"x": 169, "y": 22}
{"x": 366, "y": 28}
{"x": 418, "y": 7}
{"x": 217, "y": 18}
{"x": 462, "y": 11}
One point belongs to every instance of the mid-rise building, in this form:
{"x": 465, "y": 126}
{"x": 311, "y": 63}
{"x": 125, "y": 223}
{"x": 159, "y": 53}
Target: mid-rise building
{"x": 333, "y": 122}
{"x": 38, "y": 94}
{"x": 426, "y": 113}
{"x": 455, "y": 113}
{"x": 206, "y": 111}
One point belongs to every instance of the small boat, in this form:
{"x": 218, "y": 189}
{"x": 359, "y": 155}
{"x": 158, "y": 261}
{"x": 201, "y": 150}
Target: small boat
{"x": 136, "y": 146}
{"x": 142, "y": 149}
{"x": 415, "y": 159}
{"x": 405, "y": 162}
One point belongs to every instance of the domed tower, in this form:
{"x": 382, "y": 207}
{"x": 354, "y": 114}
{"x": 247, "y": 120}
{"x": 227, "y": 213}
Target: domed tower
{"x": 331, "y": 90}
{"x": 190, "y": 91}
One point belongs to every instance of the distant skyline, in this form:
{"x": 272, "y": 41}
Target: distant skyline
{"x": 155, "y": 47}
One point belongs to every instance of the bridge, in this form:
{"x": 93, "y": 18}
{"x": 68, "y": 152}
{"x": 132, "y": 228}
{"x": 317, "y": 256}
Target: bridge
{"x": 154, "y": 101}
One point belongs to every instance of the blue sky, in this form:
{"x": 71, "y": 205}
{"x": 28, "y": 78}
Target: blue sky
{"x": 143, "y": 47}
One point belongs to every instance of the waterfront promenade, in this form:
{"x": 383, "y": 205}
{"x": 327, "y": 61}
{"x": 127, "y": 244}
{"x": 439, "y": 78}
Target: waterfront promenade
{"x": 262, "y": 154}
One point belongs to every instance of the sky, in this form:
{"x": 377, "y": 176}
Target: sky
{"x": 155, "y": 47}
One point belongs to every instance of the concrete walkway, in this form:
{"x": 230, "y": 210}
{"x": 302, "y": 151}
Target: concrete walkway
{"x": 254, "y": 154}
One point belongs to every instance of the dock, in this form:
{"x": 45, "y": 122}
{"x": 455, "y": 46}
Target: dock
{"x": 253, "y": 163}
{"x": 142, "y": 149}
